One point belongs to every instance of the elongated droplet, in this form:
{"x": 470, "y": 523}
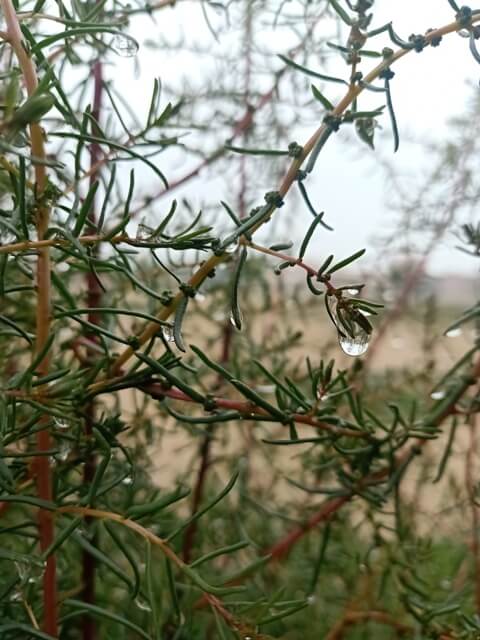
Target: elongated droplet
{"x": 144, "y": 232}
{"x": 142, "y": 604}
{"x": 125, "y": 46}
{"x": 438, "y": 395}
{"x": 356, "y": 346}
{"x": 167, "y": 331}
{"x": 64, "y": 449}
{"x": 233, "y": 322}
{"x": 353, "y": 292}
{"x": 61, "y": 424}
{"x": 454, "y": 333}
{"x": 231, "y": 248}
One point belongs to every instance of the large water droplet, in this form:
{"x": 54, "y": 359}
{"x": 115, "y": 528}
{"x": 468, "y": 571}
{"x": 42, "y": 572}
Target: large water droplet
{"x": 142, "y": 604}
{"x": 438, "y": 395}
{"x": 125, "y": 46}
{"x": 357, "y": 345}
{"x": 454, "y": 333}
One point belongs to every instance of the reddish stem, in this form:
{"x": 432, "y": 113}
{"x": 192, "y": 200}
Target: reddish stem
{"x": 94, "y": 294}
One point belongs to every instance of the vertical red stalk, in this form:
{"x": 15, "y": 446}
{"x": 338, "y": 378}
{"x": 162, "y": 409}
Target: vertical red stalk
{"x": 41, "y": 464}
{"x": 94, "y": 294}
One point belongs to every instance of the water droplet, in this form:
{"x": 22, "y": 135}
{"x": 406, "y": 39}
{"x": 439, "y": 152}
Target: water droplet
{"x": 125, "y": 46}
{"x": 265, "y": 388}
{"x": 63, "y": 452}
{"x": 438, "y": 395}
{"x": 234, "y": 323}
{"x": 23, "y": 570}
{"x": 354, "y": 291}
{"x": 357, "y": 345}
{"x": 231, "y": 248}
{"x": 127, "y": 481}
{"x": 37, "y": 571}
{"x": 454, "y": 333}
{"x": 144, "y": 232}
{"x": 311, "y": 599}
{"x": 167, "y": 331}
{"x": 16, "y": 596}
{"x": 7, "y": 237}
{"x": 142, "y": 604}
{"x": 61, "y": 424}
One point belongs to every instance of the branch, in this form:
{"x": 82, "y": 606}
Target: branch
{"x": 290, "y": 177}
{"x": 42, "y": 464}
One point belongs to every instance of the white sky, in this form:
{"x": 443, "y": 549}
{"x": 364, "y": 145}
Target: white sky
{"x": 428, "y": 89}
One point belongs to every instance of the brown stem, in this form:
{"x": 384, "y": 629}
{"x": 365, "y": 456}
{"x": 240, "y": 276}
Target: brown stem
{"x": 288, "y": 180}
{"x": 94, "y": 298}
{"x": 248, "y": 409}
{"x": 42, "y": 470}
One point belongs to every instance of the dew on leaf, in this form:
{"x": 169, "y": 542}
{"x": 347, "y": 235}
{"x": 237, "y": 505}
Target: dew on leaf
{"x": 125, "y": 46}
{"x": 142, "y": 604}
{"x": 357, "y": 345}
{"x": 167, "y": 332}
{"x": 454, "y": 333}
{"x": 438, "y": 395}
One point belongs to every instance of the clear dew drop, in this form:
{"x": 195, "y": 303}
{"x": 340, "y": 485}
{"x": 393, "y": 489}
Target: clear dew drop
{"x": 64, "y": 448}
{"x": 7, "y": 237}
{"x": 353, "y": 291}
{"x": 356, "y": 346}
{"x": 167, "y": 332}
{"x": 233, "y": 323}
{"x": 125, "y": 46}
{"x": 438, "y": 395}
{"x": 23, "y": 570}
{"x": 127, "y": 481}
{"x": 454, "y": 333}
{"x": 231, "y": 248}
{"x": 63, "y": 425}
{"x": 142, "y": 604}
{"x": 16, "y": 596}
{"x": 311, "y": 599}
{"x": 144, "y": 232}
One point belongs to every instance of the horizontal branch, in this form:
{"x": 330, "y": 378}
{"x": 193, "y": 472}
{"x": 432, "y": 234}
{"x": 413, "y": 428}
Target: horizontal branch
{"x": 248, "y": 409}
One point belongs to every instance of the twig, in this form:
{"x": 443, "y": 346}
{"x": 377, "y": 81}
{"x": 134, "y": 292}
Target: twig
{"x": 42, "y": 464}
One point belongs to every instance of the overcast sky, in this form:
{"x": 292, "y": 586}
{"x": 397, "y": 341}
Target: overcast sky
{"x": 428, "y": 90}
